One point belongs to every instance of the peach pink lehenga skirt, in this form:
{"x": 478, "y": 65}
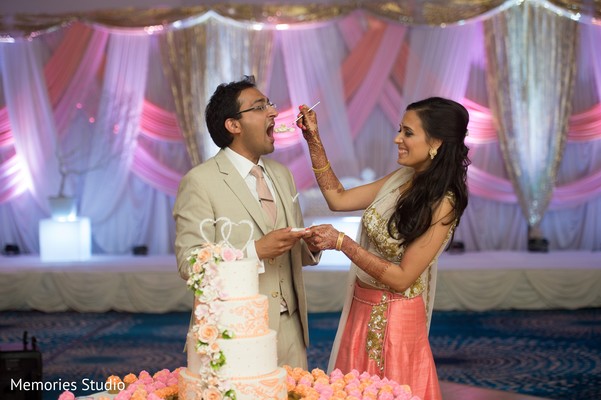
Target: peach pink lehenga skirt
{"x": 385, "y": 335}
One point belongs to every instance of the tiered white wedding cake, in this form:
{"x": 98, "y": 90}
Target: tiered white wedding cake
{"x": 231, "y": 350}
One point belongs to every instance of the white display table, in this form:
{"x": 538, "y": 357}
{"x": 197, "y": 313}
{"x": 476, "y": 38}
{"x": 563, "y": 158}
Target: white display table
{"x": 65, "y": 240}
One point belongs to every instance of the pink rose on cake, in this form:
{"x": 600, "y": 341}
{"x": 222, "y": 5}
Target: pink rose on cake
{"x": 209, "y": 295}
{"x": 216, "y": 307}
{"x": 203, "y": 254}
{"x": 212, "y": 394}
{"x": 217, "y": 248}
{"x": 230, "y": 254}
{"x": 208, "y": 333}
{"x": 201, "y": 311}
{"x": 214, "y": 347}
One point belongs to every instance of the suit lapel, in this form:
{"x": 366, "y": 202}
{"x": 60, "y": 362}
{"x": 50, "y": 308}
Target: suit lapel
{"x": 239, "y": 188}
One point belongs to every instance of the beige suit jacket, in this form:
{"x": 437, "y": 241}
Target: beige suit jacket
{"x": 215, "y": 189}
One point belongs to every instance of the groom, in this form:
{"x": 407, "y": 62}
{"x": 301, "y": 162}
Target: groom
{"x": 241, "y": 121}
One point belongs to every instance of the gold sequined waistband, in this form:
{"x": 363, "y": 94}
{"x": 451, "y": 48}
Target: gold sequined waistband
{"x": 375, "y": 297}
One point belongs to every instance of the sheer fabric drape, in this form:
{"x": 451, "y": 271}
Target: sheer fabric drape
{"x": 34, "y": 133}
{"x": 530, "y": 87}
{"x": 312, "y": 75}
{"x": 109, "y": 164}
{"x": 184, "y": 60}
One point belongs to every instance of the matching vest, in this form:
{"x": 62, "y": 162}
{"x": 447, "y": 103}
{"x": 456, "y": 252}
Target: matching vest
{"x": 286, "y": 296}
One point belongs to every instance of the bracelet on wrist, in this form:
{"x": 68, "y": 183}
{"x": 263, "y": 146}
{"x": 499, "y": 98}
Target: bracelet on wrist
{"x": 339, "y": 241}
{"x": 322, "y": 169}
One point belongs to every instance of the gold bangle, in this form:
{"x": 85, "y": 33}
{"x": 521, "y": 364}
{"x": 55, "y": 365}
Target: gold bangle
{"x": 322, "y": 169}
{"x": 339, "y": 241}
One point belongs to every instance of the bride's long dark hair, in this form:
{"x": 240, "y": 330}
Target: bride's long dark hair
{"x": 446, "y": 120}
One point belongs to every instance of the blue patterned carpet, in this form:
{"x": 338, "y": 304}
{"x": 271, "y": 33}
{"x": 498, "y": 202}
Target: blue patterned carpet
{"x": 553, "y": 354}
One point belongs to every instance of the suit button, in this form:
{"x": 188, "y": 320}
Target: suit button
{"x": 271, "y": 261}
{"x": 274, "y": 294}
{"x": 282, "y": 280}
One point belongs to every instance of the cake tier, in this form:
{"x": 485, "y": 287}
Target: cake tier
{"x": 239, "y": 279}
{"x": 250, "y": 356}
{"x": 243, "y": 356}
{"x": 245, "y": 317}
{"x": 270, "y": 386}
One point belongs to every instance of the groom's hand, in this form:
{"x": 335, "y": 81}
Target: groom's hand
{"x": 278, "y": 241}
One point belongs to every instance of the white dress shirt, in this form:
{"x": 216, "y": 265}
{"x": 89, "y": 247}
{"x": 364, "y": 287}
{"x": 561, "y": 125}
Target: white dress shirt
{"x": 243, "y": 165}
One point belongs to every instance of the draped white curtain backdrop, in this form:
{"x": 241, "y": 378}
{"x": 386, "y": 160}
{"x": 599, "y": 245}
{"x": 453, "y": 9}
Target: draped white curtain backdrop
{"x": 375, "y": 106}
{"x": 106, "y": 194}
{"x": 32, "y": 175}
{"x": 577, "y": 226}
{"x": 439, "y": 62}
{"x": 31, "y": 119}
{"x": 312, "y": 68}
{"x": 59, "y": 87}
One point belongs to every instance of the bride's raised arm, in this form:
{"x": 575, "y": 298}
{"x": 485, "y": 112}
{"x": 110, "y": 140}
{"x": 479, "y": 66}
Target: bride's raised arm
{"x": 337, "y": 197}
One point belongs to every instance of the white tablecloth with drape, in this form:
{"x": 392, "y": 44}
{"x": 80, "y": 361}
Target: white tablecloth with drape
{"x": 470, "y": 281}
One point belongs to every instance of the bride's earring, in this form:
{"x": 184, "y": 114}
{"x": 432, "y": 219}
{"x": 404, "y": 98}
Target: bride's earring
{"x": 432, "y": 153}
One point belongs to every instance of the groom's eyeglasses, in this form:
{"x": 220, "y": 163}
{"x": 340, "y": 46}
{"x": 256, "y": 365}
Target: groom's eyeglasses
{"x": 262, "y": 107}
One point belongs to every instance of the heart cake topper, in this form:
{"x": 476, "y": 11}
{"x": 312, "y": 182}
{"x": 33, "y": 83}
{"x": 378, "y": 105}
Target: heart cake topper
{"x": 226, "y": 230}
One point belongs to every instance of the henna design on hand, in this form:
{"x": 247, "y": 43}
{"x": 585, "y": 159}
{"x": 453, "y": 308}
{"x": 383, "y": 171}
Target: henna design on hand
{"x": 375, "y": 266}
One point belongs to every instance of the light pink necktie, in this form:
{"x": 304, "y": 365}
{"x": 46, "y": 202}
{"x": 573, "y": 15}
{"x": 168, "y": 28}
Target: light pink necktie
{"x": 265, "y": 197}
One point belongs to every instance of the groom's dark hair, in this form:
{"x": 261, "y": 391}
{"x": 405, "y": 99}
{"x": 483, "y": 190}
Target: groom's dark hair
{"x": 224, "y": 104}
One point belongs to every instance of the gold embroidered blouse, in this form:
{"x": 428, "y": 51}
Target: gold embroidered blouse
{"x": 375, "y": 224}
